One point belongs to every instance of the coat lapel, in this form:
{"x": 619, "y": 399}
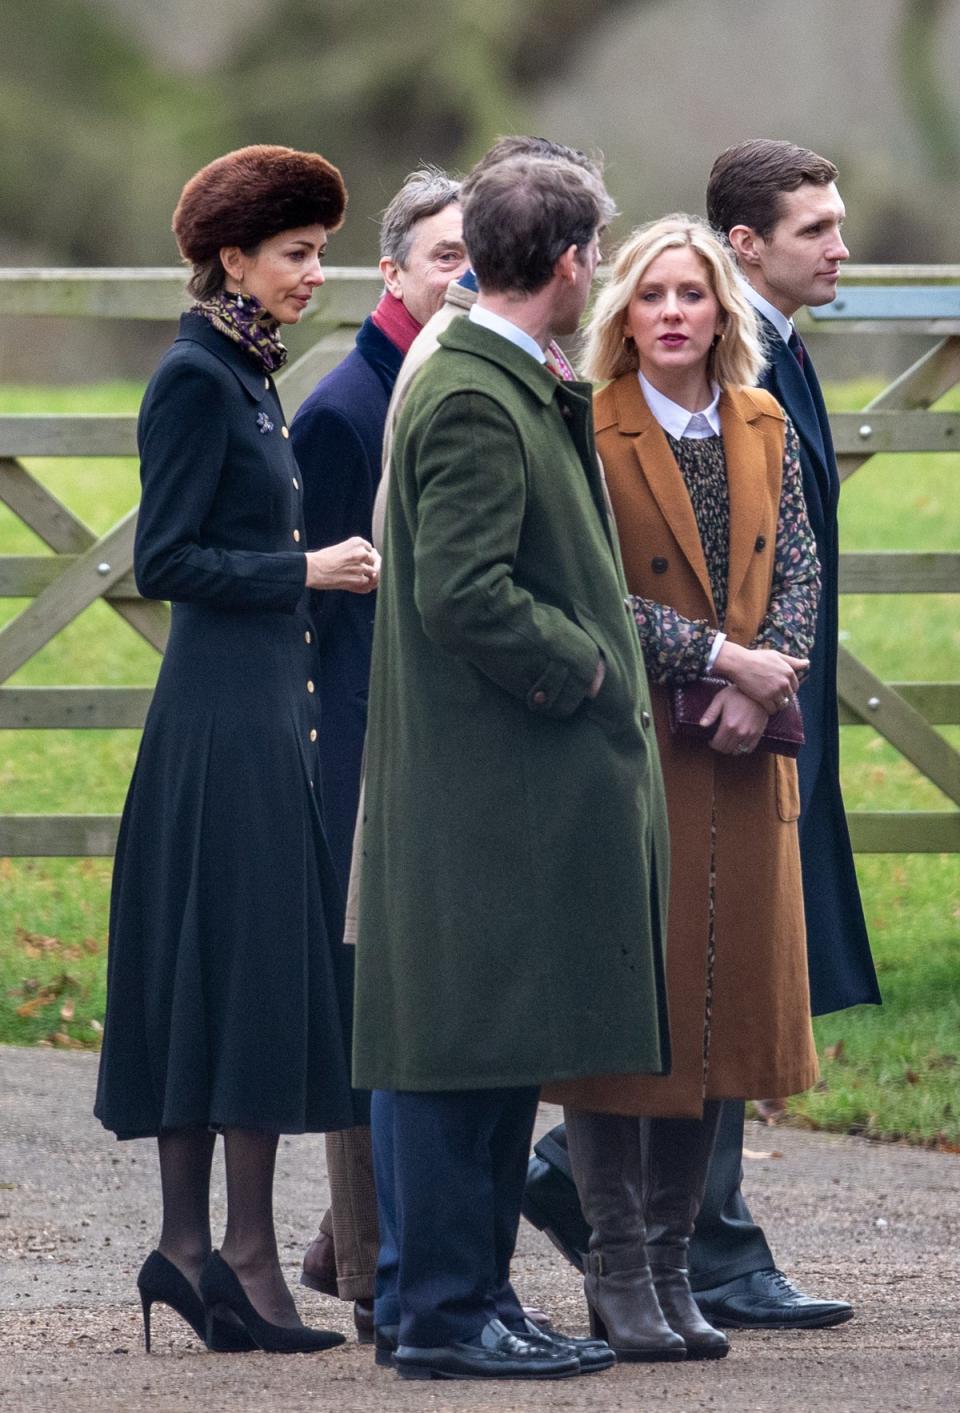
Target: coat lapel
{"x": 746, "y": 482}
{"x": 785, "y": 379}
{"x": 657, "y": 465}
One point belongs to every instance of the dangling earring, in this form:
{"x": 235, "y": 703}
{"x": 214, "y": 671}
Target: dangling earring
{"x": 239, "y": 295}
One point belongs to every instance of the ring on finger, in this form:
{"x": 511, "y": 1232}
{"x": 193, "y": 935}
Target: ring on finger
{"x": 743, "y": 749}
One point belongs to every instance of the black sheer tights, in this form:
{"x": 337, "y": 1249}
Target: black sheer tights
{"x": 249, "y": 1243}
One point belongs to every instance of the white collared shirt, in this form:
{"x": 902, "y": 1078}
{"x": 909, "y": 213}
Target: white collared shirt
{"x": 780, "y": 322}
{"x": 507, "y": 330}
{"x": 680, "y": 421}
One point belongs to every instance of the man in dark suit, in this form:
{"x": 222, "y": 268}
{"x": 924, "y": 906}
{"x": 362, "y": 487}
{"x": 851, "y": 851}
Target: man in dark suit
{"x": 779, "y": 208}
{"x": 337, "y": 437}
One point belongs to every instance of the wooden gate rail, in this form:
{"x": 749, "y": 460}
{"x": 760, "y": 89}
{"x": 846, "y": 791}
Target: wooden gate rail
{"x": 84, "y": 566}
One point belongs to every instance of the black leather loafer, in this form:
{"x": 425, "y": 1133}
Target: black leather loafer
{"x": 499, "y": 1355}
{"x": 593, "y": 1354}
{"x": 767, "y": 1300}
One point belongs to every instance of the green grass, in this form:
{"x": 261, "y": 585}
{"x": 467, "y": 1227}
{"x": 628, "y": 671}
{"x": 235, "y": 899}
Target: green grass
{"x": 893, "y": 1071}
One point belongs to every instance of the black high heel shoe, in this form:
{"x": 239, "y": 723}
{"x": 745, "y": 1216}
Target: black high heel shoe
{"x": 160, "y": 1281}
{"x": 220, "y": 1288}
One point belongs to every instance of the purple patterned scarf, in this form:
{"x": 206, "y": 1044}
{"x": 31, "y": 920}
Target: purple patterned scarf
{"x": 242, "y": 317}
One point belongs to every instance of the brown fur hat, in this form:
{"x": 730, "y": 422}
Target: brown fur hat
{"x": 253, "y": 194}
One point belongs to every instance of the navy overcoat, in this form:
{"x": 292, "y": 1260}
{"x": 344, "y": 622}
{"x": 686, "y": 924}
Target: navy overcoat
{"x": 228, "y": 985}
{"x": 338, "y": 438}
{"x": 841, "y": 968}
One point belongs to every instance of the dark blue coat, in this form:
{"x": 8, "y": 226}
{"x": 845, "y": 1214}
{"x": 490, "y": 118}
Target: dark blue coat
{"x": 841, "y": 968}
{"x": 338, "y": 438}
{"x": 228, "y": 998}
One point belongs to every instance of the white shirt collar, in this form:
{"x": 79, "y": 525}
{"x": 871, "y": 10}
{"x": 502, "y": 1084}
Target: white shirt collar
{"x": 680, "y": 421}
{"x": 512, "y": 332}
{"x": 780, "y": 322}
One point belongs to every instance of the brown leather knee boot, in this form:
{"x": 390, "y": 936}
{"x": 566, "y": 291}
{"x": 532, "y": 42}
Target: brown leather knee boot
{"x": 676, "y": 1159}
{"x": 621, "y": 1300}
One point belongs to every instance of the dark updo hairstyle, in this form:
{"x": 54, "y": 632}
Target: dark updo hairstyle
{"x": 247, "y": 197}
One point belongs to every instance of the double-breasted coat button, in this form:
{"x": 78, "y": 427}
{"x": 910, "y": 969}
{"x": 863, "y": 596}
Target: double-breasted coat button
{"x": 645, "y": 718}
{"x": 659, "y": 565}
{"x": 284, "y": 432}
{"x": 308, "y": 637}
{"x": 296, "y": 536}
{"x": 313, "y": 733}
{"x": 310, "y": 686}
{"x": 760, "y": 543}
{"x": 296, "y": 484}
{"x": 539, "y": 698}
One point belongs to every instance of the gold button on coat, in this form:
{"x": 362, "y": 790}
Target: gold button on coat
{"x": 313, "y": 733}
{"x": 284, "y": 432}
{"x": 296, "y": 536}
{"x": 296, "y": 484}
{"x": 266, "y": 384}
{"x": 308, "y": 636}
{"x": 310, "y": 687}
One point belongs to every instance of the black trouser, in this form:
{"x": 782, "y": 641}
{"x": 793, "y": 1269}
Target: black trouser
{"x": 726, "y": 1240}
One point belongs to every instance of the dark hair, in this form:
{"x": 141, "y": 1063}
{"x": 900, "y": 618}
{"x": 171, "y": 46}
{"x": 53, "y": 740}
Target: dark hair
{"x": 424, "y": 193}
{"x": 519, "y": 145}
{"x": 747, "y": 181}
{"x": 248, "y": 196}
{"x": 521, "y": 214}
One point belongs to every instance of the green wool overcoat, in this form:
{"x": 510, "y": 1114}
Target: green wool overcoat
{"x": 514, "y": 840}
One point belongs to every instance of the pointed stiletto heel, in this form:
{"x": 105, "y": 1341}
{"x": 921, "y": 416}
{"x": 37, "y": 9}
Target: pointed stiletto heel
{"x": 146, "y": 1303}
{"x": 221, "y": 1288}
{"x": 160, "y": 1281}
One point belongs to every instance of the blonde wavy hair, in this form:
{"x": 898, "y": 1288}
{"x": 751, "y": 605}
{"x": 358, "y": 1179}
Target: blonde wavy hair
{"x": 737, "y": 358}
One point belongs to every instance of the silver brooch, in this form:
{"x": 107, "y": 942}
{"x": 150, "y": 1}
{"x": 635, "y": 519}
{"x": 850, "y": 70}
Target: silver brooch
{"x": 264, "y": 423}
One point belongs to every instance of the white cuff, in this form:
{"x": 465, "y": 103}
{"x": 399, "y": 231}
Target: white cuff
{"x": 718, "y": 643}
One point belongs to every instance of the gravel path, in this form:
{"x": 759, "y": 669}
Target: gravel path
{"x": 877, "y": 1224}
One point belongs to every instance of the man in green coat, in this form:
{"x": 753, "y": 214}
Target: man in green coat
{"x": 514, "y": 844}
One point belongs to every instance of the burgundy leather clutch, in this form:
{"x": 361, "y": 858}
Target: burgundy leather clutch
{"x": 689, "y": 700}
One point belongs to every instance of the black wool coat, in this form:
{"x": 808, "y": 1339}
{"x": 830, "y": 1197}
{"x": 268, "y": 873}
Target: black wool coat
{"x": 838, "y": 949}
{"x": 228, "y": 986}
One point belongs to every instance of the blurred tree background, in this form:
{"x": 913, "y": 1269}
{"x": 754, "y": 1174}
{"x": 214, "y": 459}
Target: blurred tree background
{"x": 106, "y": 106}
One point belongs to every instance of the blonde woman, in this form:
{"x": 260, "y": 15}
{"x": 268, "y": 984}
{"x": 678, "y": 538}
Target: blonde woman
{"x": 703, "y": 473}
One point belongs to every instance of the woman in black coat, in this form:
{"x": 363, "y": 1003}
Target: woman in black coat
{"x": 228, "y": 1002}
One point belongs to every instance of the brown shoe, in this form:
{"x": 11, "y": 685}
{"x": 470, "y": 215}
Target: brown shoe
{"x": 320, "y": 1265}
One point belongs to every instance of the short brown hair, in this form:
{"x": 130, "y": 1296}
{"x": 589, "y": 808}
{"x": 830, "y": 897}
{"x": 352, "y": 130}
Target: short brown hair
{"x": 521, "y": 214}
{"x": 747, "y": 181}
{"x": 248, "y": 196}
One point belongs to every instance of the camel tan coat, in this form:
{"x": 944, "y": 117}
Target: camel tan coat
{"x": 760, "y": 1040}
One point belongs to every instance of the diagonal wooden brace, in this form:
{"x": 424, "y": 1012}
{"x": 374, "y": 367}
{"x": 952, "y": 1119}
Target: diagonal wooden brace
{"x": 106, "y": 561}
{"x": 879, "y": 706}
{"x": 920, "y": 386}
{"x": 63, "y": 532}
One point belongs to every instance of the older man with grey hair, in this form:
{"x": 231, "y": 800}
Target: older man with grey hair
{"x": 337, "y": 437}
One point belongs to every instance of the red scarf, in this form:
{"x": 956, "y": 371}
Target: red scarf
{"x": 393, "y": 318}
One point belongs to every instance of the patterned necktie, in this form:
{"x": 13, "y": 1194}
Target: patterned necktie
{"x": 797, "y": 348}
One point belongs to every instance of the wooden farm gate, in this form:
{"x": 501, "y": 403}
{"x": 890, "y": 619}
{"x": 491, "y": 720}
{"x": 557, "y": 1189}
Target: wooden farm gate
{"x": 83, "y": 567}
